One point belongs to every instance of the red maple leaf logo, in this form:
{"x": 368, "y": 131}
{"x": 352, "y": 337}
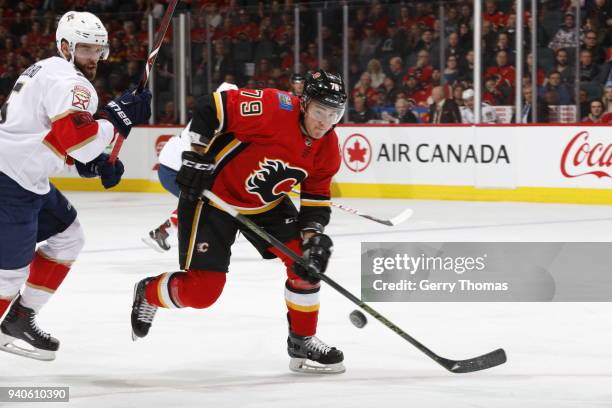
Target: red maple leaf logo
{"x": 356, "y": 153}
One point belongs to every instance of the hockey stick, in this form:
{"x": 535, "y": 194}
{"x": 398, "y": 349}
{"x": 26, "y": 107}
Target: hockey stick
{"x": 159, "y": 38}
{"x": 398, "y": 219}
{"x": 482, "y": 362}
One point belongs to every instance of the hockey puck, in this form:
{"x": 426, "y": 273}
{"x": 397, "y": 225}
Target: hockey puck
{"x": 358, "y": 319}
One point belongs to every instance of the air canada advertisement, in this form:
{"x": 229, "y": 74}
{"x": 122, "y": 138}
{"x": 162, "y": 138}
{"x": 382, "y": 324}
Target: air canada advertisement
{"x": 481, "y": 156}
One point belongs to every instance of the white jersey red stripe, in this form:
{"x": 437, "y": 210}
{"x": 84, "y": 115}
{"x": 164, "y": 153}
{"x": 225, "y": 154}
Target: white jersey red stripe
{"x": 46, "y": 93}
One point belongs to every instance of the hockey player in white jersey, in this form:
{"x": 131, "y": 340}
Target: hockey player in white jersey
{"x": 50, "y": 119}
{"x": 487, "y": 113}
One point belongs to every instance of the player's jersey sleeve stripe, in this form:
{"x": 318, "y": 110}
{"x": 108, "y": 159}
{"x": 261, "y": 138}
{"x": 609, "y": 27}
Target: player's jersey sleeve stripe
{"x": 314, "y": 200}
{"x": 71, "y": 131}
{"x": 315, "y": 203}
{"x": 251, "y": 211}
{"x": 220, "y": 109}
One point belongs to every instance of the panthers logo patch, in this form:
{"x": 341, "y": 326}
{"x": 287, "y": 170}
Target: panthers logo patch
{"x": 273, "y": 179}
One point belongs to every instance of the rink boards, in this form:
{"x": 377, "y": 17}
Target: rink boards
{"x": 562, "y": 164}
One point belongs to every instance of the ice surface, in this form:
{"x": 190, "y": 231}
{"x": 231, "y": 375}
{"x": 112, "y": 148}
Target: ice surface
{"x": 233, "y": 354}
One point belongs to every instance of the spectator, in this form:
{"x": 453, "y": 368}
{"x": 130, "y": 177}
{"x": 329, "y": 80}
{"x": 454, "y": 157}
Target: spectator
{"x": 428, "y": 45}
{"x": 487, "y": 113}
{"x": 596, "y": 110}
{"x": 221, "y": 62}
{"x": 354, "y": 73}
{"x": 405, "y": 21}
{"x": 583, "y": 100}
{"x": 465, "y": 38}
{"x": 589, "y": 71}
{"x": 599, "y": 10}
{"x": 168, "y": 116}
{"x": 590, "y": 44}
{"x": 379, "y": 18}
{"x": 396, "y": 70}
{"x": 554, "y": 85}
{"x": 443, "y": 110}
{"x": 607, "y": 98}
{"x": 566, "y": 36}
{"x": 402, "y": 113}
{"x": 390, "y": 91}
{"x": 369, "y": 44}
{"x": 360, "y": 112}
{"x": 393, "y": 44}
{"x": 493, "y": 15}
{"x": 364, "y": 88}
{"x": 466, "y": 70}
{"x": 563, "y": 68}
{"x": 502, "y": 44}
{"x": 422, "y": 70}
{"x": 504, "y": 75}
{"x": 376, "y": 73}
{"x": 242, "y": 52}
{"x": 418, "y": 92}
{"x": 453, "y": 48}
{"x": 527, "y": 112}
{"x": 297, "y": 84}
{"x": 540, "y": 76}
{"x": 458, "y": 94}
{"x": 451, "y": 72}
{"x": 492, "y": 95}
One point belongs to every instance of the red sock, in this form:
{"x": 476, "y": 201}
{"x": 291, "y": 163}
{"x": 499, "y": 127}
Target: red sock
{"x": 46, "y": 274}
{"x": 174, "y": 219}
{"x": 302, "y": 297}
{"x": 194, "y": 288}
{"x": 4, "y": 304}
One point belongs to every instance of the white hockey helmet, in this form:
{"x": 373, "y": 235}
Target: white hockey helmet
{"x": 81, "y": 27}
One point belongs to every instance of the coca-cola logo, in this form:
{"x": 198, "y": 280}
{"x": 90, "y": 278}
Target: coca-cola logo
{"x": 583, "y": 156}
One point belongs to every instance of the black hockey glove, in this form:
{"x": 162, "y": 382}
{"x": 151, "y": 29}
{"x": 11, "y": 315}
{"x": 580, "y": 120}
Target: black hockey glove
{"x": 316, "y": 252}
{"x": 196, "y": 174}
{"x": 128, "y": 110}
{"x": 109, "y": 173}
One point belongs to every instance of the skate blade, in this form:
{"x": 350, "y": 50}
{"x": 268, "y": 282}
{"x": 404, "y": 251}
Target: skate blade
{"x": 7, "y": 343}
{"x": 153, "y": 244}
{"x": 305, "y": 366}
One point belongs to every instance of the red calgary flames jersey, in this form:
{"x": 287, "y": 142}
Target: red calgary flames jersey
{"x": 262, "y": 151}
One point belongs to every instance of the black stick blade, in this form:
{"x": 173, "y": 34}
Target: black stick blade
{"x": 483, "y": 362}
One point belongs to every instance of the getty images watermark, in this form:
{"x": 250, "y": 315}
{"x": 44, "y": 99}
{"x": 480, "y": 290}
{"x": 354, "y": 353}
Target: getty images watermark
{"x": 485, "y": 271}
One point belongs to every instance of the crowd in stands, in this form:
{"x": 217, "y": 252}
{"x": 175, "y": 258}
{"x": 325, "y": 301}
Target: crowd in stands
{"x": 406, "y": 64}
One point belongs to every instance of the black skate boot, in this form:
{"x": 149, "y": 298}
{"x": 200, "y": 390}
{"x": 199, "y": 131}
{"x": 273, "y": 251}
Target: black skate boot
{"x": 20, "y": 324}
{"x": 311, "y": 355}
{"x": 158, "y": 238}
{"x": 142, "y": 311}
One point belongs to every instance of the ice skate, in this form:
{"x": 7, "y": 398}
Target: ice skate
{"x": 142, "y": 311}
{"x": 19, "y": 334}
{"x": 158, "y": 238}
{"x": 311, "y": 355}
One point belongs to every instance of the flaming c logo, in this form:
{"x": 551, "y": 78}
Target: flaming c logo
{"x": 273, "y": 178}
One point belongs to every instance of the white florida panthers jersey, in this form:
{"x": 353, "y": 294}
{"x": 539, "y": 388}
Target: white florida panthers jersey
{"x": 170, "y": 155}
{"x": 47, "y": 91}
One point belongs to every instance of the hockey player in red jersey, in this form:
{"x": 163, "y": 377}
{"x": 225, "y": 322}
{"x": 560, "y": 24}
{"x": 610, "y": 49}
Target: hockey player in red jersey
{"x": 47, "y": 122}
{"x": 251, "y": 147}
